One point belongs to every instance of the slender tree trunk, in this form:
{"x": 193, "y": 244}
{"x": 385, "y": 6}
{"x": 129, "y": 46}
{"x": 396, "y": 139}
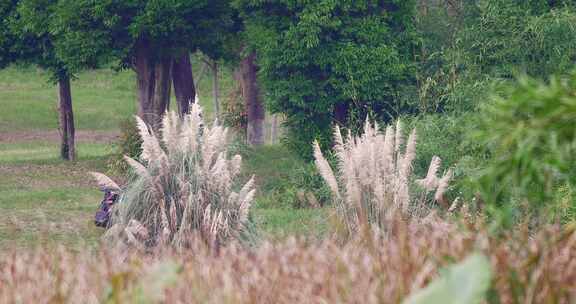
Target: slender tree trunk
{"x": 253, "y": 101}
{"x": 200, "y": 74}
{"x": 341, "y": 113}
{"x": 145, "y": 81}
{"x": 215, "y": 89}
{"x": 161, "y": 91}
{"x": 184, "y": 88}
{"x": 274, "y": 129}
{"x": 66, "y": 117}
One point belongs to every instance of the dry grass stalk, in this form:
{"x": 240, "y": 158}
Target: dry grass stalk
{"x": 527, "y": 268}
{"x": 104, "y": 182}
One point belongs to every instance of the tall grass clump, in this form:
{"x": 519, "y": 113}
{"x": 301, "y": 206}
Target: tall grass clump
{"x": 185, "y": 185}
{"x": 374, "y": 176}
{"x": 525, "y": 268}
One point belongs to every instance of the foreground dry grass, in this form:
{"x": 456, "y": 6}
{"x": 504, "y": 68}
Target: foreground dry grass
{"x": 537, "y": 269}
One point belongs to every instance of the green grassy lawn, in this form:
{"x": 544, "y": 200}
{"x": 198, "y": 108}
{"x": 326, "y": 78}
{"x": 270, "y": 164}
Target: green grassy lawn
{"x": 44, "y": 200}
{"x": 101, "y": 98}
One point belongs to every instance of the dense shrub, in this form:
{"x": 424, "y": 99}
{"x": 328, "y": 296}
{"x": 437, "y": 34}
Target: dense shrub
{"x": 503, "y": 37}
{"x": 528, "y": 129}
{"x": 129, "y": 144}
{"x": 234, "y": 113}
{"x": 301, "y": 187}
{"x": 447, "y": 136}
{"x": 468, "y": 45}
{"x": 284, "y": 179}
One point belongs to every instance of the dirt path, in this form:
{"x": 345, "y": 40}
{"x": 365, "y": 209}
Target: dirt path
{"x": 89, "y": 136}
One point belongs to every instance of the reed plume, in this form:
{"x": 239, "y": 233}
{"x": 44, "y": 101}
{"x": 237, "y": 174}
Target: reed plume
{"x": 182, "y": 186}
{"x": 374, "y": 174}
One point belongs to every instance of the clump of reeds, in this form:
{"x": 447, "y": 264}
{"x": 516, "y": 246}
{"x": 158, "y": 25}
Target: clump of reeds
{"x": 526, "y": 268}
{"x": 372, "y": 182}
{"x": 183, "y": 186}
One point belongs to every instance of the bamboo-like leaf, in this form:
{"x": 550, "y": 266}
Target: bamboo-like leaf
{"x": 466, "y": 282}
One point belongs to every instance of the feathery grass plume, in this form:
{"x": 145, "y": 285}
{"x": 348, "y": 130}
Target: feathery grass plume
{"x": 191, "y": 127}
{"x": 184, "y": 188}
{"x": 151, "y": 150}
{"x": 325, "y": 170}
{"x": 374, "y": 176}
{"x": 170, "y": 131}
{"x": 104, "y": 182}
{"x": 137, "y": 167}
{"x": 430, "y": 182}
{"x": 443, "y": 186}
{"x": 409, "y": 155}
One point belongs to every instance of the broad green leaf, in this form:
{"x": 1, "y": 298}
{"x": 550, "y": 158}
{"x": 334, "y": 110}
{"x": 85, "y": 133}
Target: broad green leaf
{"x": 151, "y": 287}
{"x": 462, "y": 283}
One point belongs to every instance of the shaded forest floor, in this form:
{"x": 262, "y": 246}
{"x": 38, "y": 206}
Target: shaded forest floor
{"x": 45, "y": 201}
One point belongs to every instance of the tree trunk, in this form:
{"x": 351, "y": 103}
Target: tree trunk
{"x": 253, "y": 101}
{"x": 145, "y": 81}
{"x": 215, "y": 89}
{"x": 161, "y": 91}
{"x": 66, "y": 117}
{"x": 341, "y": 114}
{"x": 184, "y": 88}
{"x": 274, "y": 129}
{"x": 200, "y": 74}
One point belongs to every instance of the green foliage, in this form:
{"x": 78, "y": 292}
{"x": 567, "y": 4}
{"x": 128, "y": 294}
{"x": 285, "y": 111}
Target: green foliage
{"x": 330, "y": 60}
{"x": 7, "y": 39}
{"x": 505, "y": 37}
{"x": 129, "y": 144}
{"x": 284, "y": 179}
{"x": 27, "y": 28}
{"x": 234, "y": 113}
{"x": 529, "y": 130}
{"x": 127, "y": 286}
{"x": 564, "y": 208}
{"x": 93, "y": 32}
{"x": 464, "y": 50}
{"x": 465, "y": 282}
{"x": 302, "y": 187}
{"x": 446, "y": 136}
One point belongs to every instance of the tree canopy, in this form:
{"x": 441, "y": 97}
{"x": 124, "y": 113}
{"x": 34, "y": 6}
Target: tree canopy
{"x": 325, "y": 61}
{"x": 101, "y": 31}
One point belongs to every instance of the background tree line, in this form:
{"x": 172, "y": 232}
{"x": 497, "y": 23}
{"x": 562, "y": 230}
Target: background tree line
{"x": 319, "y": 63}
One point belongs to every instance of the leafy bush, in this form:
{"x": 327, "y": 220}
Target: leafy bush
{"x": 284, "y": 179}
{"x": 529, "y": 131}
{"x": 184, "y": 188}
{"x": 311, "y": 189}
{"x": 129, "y": 144}
{"x": 468, "y": 45}
{"x": 503, "y": 37}
{"x": 446, "y": 135}
{"x": 301, "y": 187}
{"x": 234, "y": 113}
